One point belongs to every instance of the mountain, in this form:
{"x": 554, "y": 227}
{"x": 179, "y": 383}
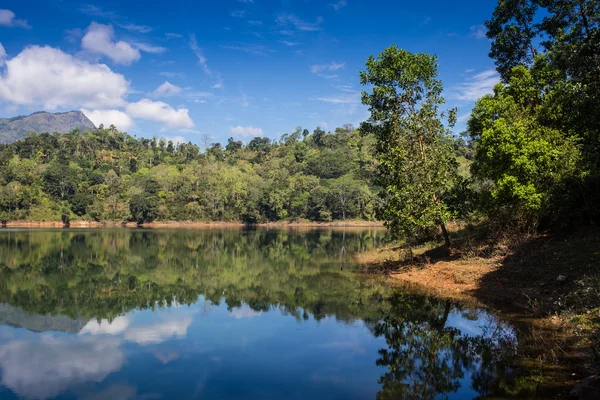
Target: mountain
{"x": 16, "y": 128}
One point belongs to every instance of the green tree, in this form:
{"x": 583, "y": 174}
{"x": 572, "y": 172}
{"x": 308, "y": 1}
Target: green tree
{"x": 417, "y": 169}
{"x": 525, "y": 160}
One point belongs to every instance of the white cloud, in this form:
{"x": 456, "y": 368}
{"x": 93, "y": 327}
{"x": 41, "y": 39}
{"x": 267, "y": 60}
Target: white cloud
{"x": 170, "y": 35}
{"x": 319, "y": 69}
{"x": 99, "y": 39}
{"x": 293, "y": 21}
{"x": 246, "y": 131}
{"x": 160, "y": 112}
{"x": 249, "y": 48}
{"x": 203, "y": 64}
{"x": 105, "y": 327}
{"x": 332, "y": 66}
{"x": 478, "y": 31}
{"x": 289, "y": 43}
{"x": 337, "y": 6}
{"x": 48, "y": 77}
{"x": 7, "y": 18}
{"x": 109, "y": 117}
{"x": 352, "y": 98}
{"x": 166, "y": 89}
{"x": 158, "y": 333}
{"x": 475, "y": 86}
{"x": 171, "y": 75}
{"x": 137, "y": 28}
{"x": 148, "y": 48}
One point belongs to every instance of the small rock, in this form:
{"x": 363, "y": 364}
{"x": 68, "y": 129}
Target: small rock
{"x": 561, "y": 278}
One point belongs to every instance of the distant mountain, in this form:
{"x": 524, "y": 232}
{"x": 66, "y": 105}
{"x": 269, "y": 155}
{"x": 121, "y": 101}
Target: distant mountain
{"x": 16, "y": 128}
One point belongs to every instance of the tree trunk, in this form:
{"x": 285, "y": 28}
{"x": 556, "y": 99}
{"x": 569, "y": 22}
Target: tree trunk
{"x": 445, "y": 234}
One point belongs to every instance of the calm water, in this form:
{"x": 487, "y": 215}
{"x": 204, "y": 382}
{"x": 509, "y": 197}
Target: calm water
{"x": 229, "y": 314}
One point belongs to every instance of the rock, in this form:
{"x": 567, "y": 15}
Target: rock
{"x": 586, "y": 389}
{"x": 561, "y": 278}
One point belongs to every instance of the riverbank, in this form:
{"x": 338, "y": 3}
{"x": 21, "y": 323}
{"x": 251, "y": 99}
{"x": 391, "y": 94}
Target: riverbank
{"x": 550, "y": 283}
{"x": 192, "y": 224}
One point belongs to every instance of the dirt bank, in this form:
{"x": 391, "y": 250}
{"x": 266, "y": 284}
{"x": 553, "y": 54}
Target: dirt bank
{"x": 550, "y": 283}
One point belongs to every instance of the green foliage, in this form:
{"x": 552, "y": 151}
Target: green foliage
{"x": 417, "y": 167}
{"x": 526, "y": 161}
{"x": 107, "y": 175}
{"x": 538, "y": 137}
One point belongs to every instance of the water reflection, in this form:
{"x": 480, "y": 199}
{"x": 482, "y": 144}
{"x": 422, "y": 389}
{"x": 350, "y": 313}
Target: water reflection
{"x": 230, "y": 314}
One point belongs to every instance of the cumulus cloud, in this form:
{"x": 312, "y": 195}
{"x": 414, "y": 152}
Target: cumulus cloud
{"x": 7, "y": 18}
{"x": 48, "y": 77}
{"x": 109, "y": 117}
{"x": 246, "y": 131}
{"x": 99, "y": 39}
{"x": 160, "y": 112}
{"x": 166, "y": 89}
{"x": 475, "y": 86}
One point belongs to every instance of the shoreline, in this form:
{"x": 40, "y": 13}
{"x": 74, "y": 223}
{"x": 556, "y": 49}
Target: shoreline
{"x": 192, "y": 224}
{"x": 539, "y": 281}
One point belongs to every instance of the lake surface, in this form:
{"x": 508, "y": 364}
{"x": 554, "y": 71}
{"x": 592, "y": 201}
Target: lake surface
{"x": 230, "y": 314}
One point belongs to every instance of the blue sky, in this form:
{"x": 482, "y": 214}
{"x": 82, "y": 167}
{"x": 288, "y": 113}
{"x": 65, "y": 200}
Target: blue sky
{"x": 241, "y": 68}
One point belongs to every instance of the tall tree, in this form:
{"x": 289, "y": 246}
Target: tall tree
{"x": 512, "y": 31}
{"x": 417, "y": 169}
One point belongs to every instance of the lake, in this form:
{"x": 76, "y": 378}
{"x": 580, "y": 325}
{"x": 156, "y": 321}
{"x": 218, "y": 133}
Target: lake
{"x": 231, "y": 314}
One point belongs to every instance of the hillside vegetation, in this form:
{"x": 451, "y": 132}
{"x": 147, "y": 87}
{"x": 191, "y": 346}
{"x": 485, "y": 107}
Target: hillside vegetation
{"x": 107, "y": 175}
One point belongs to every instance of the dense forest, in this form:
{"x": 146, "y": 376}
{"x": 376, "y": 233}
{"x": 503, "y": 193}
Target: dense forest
{"x": 107, "y": 175}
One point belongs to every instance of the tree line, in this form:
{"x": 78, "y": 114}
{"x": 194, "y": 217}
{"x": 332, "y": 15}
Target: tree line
{"x": 107, "y": 175}
{"x": 535, "y": 139}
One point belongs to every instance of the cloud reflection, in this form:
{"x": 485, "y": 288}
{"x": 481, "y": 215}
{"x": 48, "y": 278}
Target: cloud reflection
{"x": 47, "y": 366}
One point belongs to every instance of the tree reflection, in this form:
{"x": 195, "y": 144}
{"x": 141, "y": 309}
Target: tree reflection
{"x": 427, "y": 357}
{"x": 106, "y": 273}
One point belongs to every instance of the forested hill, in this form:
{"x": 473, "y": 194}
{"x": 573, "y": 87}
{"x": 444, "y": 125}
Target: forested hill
{"x": 106, "y": 175}
{"x": 16, "y": 128}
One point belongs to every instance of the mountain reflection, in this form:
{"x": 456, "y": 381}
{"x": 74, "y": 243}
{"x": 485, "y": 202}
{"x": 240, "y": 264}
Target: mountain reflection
{"x": 232, "y": 314}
